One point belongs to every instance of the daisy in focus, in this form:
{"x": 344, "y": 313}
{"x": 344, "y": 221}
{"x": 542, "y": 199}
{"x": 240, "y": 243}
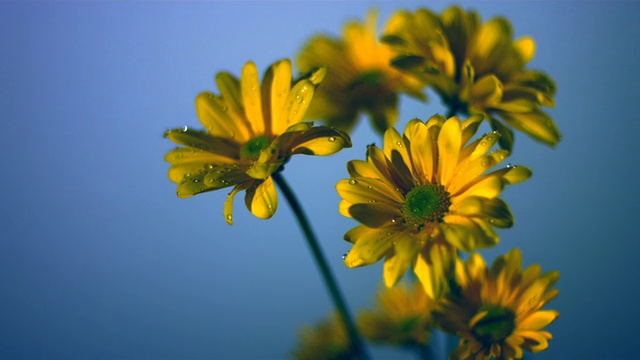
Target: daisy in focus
{"x": 476, "y": 68}
{"x": 252, "y": 129}
{"x": 360, "y": 77}
{"x": 425, "y": 196}
{"x": 401, "y": 317}
{"x": 497, "y": 312}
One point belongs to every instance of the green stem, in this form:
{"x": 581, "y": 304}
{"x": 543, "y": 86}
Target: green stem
{"x": 357, "y": 345}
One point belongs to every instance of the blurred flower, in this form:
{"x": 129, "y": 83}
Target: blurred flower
{"x": 425, "y": 196}
{"x": 401, "y": 317}
{"x": 360, "y": 77}
{"x": 476, "y": 68}
{"x": 497, "y": 312}
{"x": 328, "y": 340}
{"x": 252, "y": 131}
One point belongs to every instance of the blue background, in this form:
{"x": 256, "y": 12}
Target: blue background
{"x": 100, "y": 259}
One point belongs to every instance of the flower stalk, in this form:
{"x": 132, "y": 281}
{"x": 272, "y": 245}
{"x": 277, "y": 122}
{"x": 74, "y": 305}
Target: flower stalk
{"x": 356, "y": 343}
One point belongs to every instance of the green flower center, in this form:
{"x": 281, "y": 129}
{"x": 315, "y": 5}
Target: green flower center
{"x": 426, "y": 203}
{"x": 252, "y": 148}
{"x": 495, "y": 326}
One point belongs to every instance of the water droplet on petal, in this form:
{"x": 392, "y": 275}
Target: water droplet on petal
{"x": 344, "y": 256}
{"x": 369, "y": 186}
{"x": 393, "y": 220}
{"x": 229, "y": 217}
{"x": 352, "y": 181}
{"x": 184, "y": 128}
{"x": 332, "y": 139}
{"x": 398, "y": 143}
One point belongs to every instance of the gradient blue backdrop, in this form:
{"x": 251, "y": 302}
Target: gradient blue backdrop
{"x": 99, "y": 258}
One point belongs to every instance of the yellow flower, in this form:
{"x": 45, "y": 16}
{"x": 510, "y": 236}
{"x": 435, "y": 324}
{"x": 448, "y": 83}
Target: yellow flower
{"x": 497, "y": 312}
{"x": 360, "y": 77}
{"x": 251, "y": 131}
{"x": 476, "y": 68}
{"x": 402, "y": 316}
{"x": 424, "y": 196}
{"x": 327, "y": 340}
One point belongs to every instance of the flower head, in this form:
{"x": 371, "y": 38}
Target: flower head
{"x": 401, "y": 316}
{"x": 497, "y": 312}
{"x": 476, "y": 68}
{"x": 360, "y": 77}
{"x": 326, "y": 340}
{"x": 251, "y": 131}
{"x": 424, "y": 196}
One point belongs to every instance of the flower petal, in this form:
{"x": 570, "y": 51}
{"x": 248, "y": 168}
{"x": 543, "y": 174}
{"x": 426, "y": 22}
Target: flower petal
{"x": 375, "y": 215}
{"x": 251, "y": 97}
{"x": 370, "y": 245}
{"x": 538, "y": 320}
{"x": 449, "y": 144}
{"x": 201, "y": 140}
{"x": 494, "y": 210}
{"x": 262, "y": 198}
{"x": 536, "y": 124}
{"x": 318, "y": 140}
{"x": 228, "y": 204}
{"x": 365, "y": 190}
{"x": 229, "y": 87}
{"x": 417, "y": 137}
{"x": 276, "y": 84}
{"x": 213, "y": 113}
{"x": 433, "y": 266}
{"x": 396, "y": 265}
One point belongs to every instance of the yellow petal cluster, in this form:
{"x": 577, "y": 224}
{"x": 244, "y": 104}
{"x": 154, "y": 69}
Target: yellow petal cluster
{"x": 497, "y": 312}
{"x": 327, "y": 340}
{"x": 476, "y": 68}
{"x": 401, "y": 317}
{"x": 252, "y": 129}
{"x": 360, "y": 77}
{"x": 424, "y": 196}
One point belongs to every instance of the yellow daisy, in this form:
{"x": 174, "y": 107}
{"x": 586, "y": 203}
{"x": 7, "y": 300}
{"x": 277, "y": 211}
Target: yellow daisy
{"x": 476, "y": 68}
{"x": 251, "y": 131}
{"x": 497, "y": 312}
{"x": 327, "y": 340}
{"x": 401, "y": 317}
{"x": 424, "y": 196}
{"x": 360, "y": 77}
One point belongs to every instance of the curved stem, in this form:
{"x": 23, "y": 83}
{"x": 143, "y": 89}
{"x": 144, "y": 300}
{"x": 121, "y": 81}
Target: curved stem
{"x": 357, "y": 345}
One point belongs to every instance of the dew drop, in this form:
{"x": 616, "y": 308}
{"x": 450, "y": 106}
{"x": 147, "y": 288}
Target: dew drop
{"x": 398, "y": 143}
{"x": 489, "y": 138}
{"x": 484, "y": 143}
{"x": 229, "y": 217}
{"x": 184, "y": 128}
{"x": 332, "y": 139}
{"x": 352, "y": 181}
{"x": 372, "y": 201}
{"x": 344, "y": 256}
{"x": 393, "y": 221}
{"x": 208, "y": 166}
{"x": 369, "y": 186}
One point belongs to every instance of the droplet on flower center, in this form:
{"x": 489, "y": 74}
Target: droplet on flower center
{"x": 252, "y": 148}
{"x": 493, "y": 324}
{"x": 426, "y": 203}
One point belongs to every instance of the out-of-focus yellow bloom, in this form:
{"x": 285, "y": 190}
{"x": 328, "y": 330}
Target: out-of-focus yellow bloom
{"x": 327, "y": 340}
{"x": 425, "y": 195}
{"x": 476, "y": 68}
{"x": 360, "y": 77}
{"x": 401, "y": 317}
{"x": 251, "y": 131}
{"x": 497, "y": 312}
